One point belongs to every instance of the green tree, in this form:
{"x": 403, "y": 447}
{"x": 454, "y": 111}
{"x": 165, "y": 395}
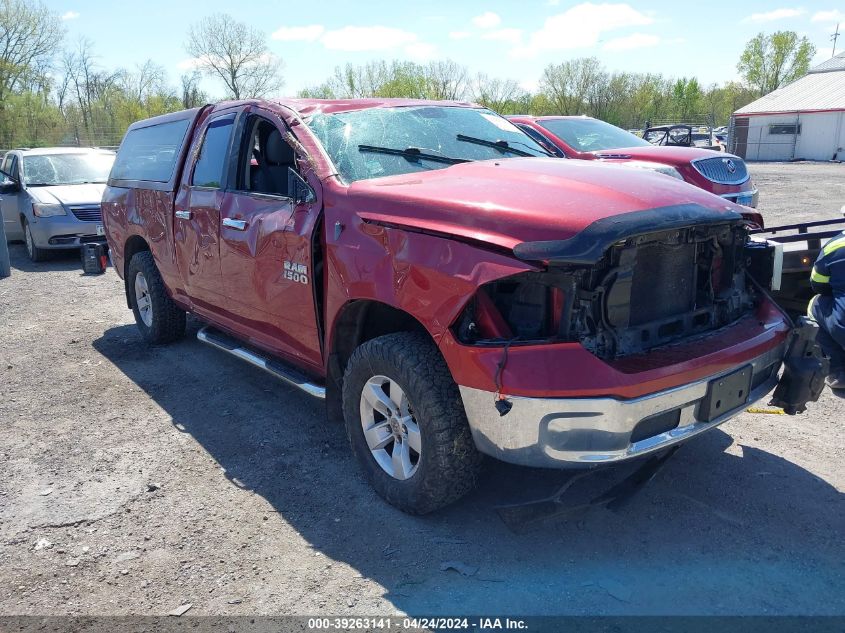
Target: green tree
{"x": 770, "y": 61}
{"x": 568, "y": 84}
{"x": 29, "y": 34}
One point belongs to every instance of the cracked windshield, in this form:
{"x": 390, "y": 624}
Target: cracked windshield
{"x": 380, "y": 142}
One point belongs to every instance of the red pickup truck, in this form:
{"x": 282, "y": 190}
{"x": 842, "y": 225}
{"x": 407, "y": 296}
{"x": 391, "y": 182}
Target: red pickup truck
{"x": 447, "y": 287}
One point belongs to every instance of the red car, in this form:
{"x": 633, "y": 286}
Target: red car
{"x": 447, "y": 288}
{"x": 585, "y": 138}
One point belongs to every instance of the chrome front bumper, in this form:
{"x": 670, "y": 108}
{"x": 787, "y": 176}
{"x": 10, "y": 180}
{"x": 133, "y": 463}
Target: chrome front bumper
{"x": 573, "y": 432}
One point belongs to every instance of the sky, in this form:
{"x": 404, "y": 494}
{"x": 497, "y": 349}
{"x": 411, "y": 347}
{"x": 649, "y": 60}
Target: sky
{"x": 507, "y": 39}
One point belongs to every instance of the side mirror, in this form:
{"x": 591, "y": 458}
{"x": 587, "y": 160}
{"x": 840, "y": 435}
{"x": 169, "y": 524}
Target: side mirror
{"x": 8, "y": 184}
{"x": 299, "y": 190}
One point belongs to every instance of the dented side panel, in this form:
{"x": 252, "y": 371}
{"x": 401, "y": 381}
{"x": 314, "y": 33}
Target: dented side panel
{"x": 267, "y": 273}
{"x": 429, "y": 277}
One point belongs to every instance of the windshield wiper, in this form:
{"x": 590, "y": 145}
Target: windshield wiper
{"x": 413, "y": 153}
{"x": 501, "y": 145}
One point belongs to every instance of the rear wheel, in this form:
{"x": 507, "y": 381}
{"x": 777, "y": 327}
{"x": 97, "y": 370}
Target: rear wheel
{"x": 158, "y": 318}
{"x": 406, "y": 423}
{"x": 35, "y": 254}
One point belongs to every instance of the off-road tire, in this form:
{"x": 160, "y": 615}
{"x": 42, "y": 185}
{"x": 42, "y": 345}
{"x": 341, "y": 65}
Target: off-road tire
{"x": 168, "y": 320}
{"x": 449, "y": 462}
{"x": 35, "y": 254}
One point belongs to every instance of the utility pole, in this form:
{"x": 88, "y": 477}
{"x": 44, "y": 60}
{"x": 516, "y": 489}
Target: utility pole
{"x": 833, "y": 39}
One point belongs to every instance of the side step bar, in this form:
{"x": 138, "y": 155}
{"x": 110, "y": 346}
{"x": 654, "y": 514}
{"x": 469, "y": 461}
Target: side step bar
{"x": 232, "y": 346}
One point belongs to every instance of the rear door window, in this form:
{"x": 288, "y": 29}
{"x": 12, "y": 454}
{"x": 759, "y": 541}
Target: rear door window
{"x": 150, "y": 153}
{"x": 208, "y": 171}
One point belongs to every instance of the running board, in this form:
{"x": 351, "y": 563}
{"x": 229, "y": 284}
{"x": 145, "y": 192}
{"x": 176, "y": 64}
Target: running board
{"x": 232, "y": 346}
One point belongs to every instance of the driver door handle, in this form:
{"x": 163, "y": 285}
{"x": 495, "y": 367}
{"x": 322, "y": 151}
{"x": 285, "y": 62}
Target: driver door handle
{"x": 238, "y": 225}
{"x": 183, "y": 215}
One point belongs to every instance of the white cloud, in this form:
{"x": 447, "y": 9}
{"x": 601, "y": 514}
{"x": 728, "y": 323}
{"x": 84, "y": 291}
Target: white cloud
{"x": 775, "y": 14}
{"x": 421, "y": 51}
{"x": 459, "y": 35}
{"x": 70, "y": 15}
{"x": 512, "y": 36}
{"x": 529, "y": 85}
{"x": 631, "y": 42}
{"x": 367, "y": 38}
{"x": 487, "y": 20}
{"x": 832, "y": 16}
{"x": 192, "y": 63}
{"x": 581, "y": 26}
{"x": 298, "y": 33}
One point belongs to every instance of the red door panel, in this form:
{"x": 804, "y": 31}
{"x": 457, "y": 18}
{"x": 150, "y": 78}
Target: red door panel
{"x": 196, "y": 230}
{"x": 267, "y": 272}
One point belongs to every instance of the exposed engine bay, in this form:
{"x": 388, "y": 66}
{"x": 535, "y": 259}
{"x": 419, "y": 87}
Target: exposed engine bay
{"x": 645, "y": 291}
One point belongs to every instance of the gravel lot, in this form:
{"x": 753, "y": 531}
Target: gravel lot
{"x": 133, "y": 480}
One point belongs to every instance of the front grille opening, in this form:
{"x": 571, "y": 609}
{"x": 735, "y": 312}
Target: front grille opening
{"x": 658, "y": 288}
{"x": 722, "y": 170}
{"x": 88, "y": 213}
{"x": 664, "y": 281}
{"x": 646, "y": 292}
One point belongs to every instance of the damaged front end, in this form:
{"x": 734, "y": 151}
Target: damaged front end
{"x": 643, "y": 291}
{"x": 641, "y": 331}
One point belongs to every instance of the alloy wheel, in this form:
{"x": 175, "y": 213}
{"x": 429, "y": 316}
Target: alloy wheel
{"x": 390, "y": 430}
{"x": 143, "y": 299}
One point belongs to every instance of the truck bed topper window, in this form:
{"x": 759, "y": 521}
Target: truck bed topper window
{"x": 150, "y": 153}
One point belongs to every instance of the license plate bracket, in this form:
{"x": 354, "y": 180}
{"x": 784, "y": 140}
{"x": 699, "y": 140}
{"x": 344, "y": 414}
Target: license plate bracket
{"x": 726, "y": 393}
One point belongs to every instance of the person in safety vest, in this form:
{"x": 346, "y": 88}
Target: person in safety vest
{"x": 828, "y": 306}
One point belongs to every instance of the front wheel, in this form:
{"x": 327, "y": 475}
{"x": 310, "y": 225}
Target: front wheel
{"x": 35, "y": 254}
{"x": 406, "y": 423}
{"x": 158, "y": 318}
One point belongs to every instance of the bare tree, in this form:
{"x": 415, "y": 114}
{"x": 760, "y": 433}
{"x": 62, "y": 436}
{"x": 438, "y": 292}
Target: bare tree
{"x": 192, "y": 96}
{"x": 237, "y": 54}
{"x": 79, "y": 68}
{"x": 446, "y": 80}
{"x": 501, "y": 95}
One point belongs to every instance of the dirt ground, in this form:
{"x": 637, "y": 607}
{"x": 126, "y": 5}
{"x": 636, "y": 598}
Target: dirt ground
{"x": 134, "y": 480}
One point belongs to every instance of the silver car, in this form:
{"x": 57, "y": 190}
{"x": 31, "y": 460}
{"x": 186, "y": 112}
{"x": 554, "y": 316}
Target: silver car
{"x": 50, "y": 197}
